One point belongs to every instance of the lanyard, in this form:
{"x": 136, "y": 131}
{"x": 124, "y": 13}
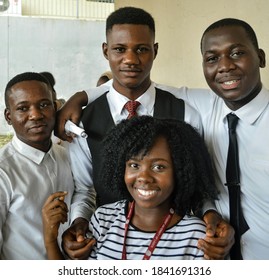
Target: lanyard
{"x": 156, "y": 237}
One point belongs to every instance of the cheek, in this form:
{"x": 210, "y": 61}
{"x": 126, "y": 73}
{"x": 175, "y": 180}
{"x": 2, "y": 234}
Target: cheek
{"x": 129, "y": 178}
{"x": 169, "y": 182}
{"x": 18, "y": 119}
{"x": 209, "y": 73}
{"x": 148, "y": 62}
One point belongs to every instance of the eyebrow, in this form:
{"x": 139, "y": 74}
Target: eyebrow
{"x": 233, "y": 46}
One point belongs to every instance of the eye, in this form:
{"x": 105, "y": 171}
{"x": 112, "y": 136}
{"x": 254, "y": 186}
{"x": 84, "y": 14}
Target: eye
{"x": 142, "y": 50}
{"x": 133, "y": 165}
{"x": 22, "y": 108}
{"x": 45, "y": 104}
{"x": 119, "y": 49}
{"x": 211, "y": 59}
{"x": 237, "y": 54}
{"x": 158, "y": 168}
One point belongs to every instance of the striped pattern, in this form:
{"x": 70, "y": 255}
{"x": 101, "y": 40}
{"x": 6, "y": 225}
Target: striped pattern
{"x": 177, "y": 243}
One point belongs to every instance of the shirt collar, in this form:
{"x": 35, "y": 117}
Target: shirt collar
{"x": 251, "y": 111}
{"x": 29, "y": 152}
{"x": 147, "y": 99}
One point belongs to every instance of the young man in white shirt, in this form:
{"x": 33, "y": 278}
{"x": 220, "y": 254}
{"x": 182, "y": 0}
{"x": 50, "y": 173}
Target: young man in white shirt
{"x": 31, "y": 168}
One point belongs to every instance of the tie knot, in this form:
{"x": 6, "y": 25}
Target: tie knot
{"x": 131, "y": 107}
{"x": 232, "y": 121}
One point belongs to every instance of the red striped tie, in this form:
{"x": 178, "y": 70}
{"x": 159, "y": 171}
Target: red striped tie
{"x": 131, "y": 107}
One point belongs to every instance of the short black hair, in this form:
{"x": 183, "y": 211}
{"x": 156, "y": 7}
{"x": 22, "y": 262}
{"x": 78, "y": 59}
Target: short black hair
{"x": 49, "y": 76}
{"x": 194, "y": 179}
{"x": 52, "y": 81}
{"x": 130, "y": 15}
{"x": 233, "y": 22}
{"x": 26, "y": 76}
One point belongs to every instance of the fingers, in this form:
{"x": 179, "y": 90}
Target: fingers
{"x": 69, "y": 111}
{"x": 217, "y": 246}
{"x": 74, "y": 241}
{"x": 80, "y": 250}
{"x": 54, "y": 212}
{"x": 212, "y": 220}
{"x": 59, "y": 129}
{"x": 55, "y": 200}
{"x": 55, "y": 209}
{"x": 214, "y": 250}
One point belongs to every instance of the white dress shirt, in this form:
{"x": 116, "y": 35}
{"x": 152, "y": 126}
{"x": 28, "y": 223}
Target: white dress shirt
{"x": 80, "y": 155}
{"x": 27, "y": 177}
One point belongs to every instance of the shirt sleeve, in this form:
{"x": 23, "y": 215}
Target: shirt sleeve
{"x": 5, "y": 197}
{"x": 84, "y": 197}
{"x": 94, "y": 93}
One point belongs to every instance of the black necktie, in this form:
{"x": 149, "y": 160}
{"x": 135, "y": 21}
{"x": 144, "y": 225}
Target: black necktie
{"x": 233, "y": 182}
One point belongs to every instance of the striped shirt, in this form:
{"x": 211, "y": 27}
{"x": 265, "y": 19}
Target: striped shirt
{"x": 177, "y": 242}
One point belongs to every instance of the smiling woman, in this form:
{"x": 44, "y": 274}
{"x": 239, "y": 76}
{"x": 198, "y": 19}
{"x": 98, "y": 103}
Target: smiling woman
{"x": 161, "y": 172}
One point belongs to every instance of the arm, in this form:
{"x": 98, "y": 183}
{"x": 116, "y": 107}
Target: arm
{"x": 199, "y": 98}
{"x": 74, "y": 243}
{"x": 54, "y": 212}
{"x": 72, "y": 108}
{"x": 219, "y": 237}
{"x": 83, "y": 202}
{"x": 5, "y": 200}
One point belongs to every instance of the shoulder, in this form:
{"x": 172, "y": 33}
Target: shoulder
{"x": 60, "y": 153}
{"x": 173, "y": 90}
{"x": 111, "y": 209}
{"x": 7, "y": 153}
{"x": 191, "y": 221}
{"x": 109, "y": 214}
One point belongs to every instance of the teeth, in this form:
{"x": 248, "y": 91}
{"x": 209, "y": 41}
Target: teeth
{"x": 146, "y": 193}
{"x": 230, "y": 82}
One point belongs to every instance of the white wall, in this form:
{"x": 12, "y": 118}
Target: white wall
{"x": 69, "y": 49}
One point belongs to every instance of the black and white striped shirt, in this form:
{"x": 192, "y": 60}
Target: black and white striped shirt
{"x": 177, "y": 242}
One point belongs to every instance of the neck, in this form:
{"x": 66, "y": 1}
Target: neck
{"x": 130, "y": 92}
{"x": 235, "y": 105}
{"x": 151, "y": 219}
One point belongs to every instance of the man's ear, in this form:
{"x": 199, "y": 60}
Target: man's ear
{"x": 156, "y": 46}
{"x": 56, "y": 105}
{"x": 7, "y": 116}
{"x": 104, "y": 47}
{"x": 261, "y": 55}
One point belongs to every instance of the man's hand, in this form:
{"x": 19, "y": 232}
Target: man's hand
{"x": 71, "y": 110}
{"x": 219, "y": 237}
{"x": 54, "y": 212}
{"x": 74, "y": 241}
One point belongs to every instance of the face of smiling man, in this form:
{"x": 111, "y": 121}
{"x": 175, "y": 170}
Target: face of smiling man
{"x": 31, "y": 112}
{"x": 231, "y": 65}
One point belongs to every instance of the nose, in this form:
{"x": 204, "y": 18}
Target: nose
{"x": 226, "y": 64}
{"x": 131, "y": 57}
{"x": 35, "y": 113}
{"x": 145, "y": 176}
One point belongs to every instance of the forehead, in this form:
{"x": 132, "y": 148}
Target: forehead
{"x": 160, "y": 148}
{"x": 124, "y": 33}
{"x": 225, "y": 36}
{"x": 29, "y": 91}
